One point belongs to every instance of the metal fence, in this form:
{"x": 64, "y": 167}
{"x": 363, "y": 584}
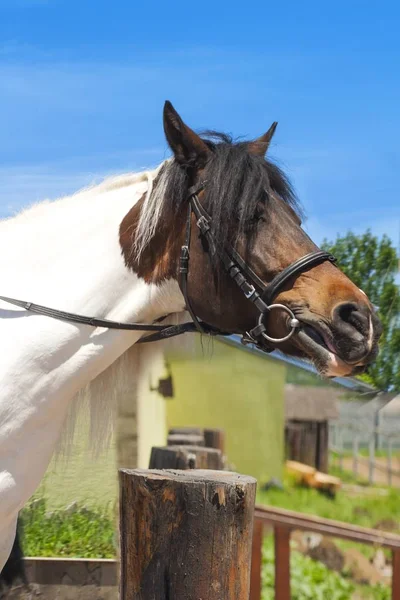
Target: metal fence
{"x": 367, "y": 441}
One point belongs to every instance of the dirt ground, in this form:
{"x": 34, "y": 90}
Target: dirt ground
{"x": 61, "y": 592}
{"x": 380, "y": 473}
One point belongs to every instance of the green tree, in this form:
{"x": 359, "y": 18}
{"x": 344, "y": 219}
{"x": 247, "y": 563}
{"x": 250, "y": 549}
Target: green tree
{"x": 372, "y": 264}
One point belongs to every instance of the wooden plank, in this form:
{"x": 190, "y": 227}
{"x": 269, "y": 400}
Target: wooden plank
{"x": 300, "y": 469}
{"x": 294, "y": 520}
{"x": 396, "y": 575}
{"x": 185, "y": 430}
{"x": 321, "y": 481}
{"x": 256, "y": 561}
{"x": 293, "y": 441}
{"x": 309, "y": 446}
{"x": 282, "y": 563}
{"x": 322, "y": 447}
{"x": 185, "y": 534}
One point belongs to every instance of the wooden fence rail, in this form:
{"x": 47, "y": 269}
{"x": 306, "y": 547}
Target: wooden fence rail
{"x": 284, "y": 522}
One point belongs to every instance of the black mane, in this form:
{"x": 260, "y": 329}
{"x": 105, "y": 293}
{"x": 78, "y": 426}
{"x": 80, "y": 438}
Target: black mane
{"x": 237, "y": 190}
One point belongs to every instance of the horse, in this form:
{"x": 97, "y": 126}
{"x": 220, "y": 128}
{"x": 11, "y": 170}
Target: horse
{"x": 13, "y": 572}
{"x": 214, "y": 232}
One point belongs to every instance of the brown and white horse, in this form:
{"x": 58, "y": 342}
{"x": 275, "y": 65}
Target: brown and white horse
{"x": 115, "y": 252}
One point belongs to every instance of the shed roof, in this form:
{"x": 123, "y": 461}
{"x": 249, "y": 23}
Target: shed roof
{"x": 351, "y": 383}
{"x": 309, "y": 403}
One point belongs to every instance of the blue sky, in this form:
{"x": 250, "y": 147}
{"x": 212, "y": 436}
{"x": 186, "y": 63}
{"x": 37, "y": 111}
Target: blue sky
{"x": 82, "y": 86}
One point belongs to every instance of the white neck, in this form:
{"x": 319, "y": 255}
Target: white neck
{"x": 65, "y": 255}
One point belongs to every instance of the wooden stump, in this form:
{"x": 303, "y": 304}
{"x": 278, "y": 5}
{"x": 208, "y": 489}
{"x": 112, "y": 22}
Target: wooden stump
{"x": 185, "y": 457}
{"x": 215, "y": 438}
{"x": 185, "y": 535}
{"x": 185, "y": 439}
{"x": 186, "y": 430}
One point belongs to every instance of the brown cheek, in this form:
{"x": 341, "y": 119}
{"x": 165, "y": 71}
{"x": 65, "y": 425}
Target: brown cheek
{"x": 214, "y": 297}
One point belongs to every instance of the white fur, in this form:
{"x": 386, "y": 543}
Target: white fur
{"x": 152, "y": 210}
{"x": 66, "y": 255}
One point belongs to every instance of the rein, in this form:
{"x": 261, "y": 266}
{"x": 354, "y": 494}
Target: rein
{"x": 253, "y": 288}
{"x": 160, "y": 332}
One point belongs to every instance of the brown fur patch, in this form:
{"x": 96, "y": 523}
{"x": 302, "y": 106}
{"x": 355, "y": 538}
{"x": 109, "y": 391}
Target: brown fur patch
{"x": 160, "y": 260}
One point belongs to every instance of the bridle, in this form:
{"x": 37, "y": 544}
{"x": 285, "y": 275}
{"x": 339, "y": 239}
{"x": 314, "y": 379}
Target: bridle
{"x": 253, "y": 288}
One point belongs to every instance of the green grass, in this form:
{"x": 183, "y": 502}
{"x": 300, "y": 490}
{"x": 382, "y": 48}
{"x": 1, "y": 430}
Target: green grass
{"x": 364, "y": 452}
{"x": 311, "y": 580}
{"x": 347, "y": 476}
{"x": 84, "y": 533}
{"x": 365, "y": 511}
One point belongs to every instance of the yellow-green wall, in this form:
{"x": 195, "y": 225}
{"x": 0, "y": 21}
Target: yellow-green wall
{"x": 219, "y": 386}
{"x": 81, "y": 477}
{"x": 239, "y": 392}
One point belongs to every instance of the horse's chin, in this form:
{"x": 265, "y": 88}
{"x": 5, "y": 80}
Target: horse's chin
{"x": 327, "y": 362}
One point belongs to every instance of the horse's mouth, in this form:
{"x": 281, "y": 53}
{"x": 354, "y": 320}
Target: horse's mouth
{"x": 317, "y": 345}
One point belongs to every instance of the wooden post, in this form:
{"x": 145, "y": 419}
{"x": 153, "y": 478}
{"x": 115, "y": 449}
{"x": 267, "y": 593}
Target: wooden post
{"x": 355, "y": 455}
{"x": 322, "y": 457}
{"x": 185, "y": 534}
{"x": 256, "y": 560}
{"x": 371, "y": 459}
{"x": 282, "y": 563}
{"x": 389, "y": 462}
{"x": 341, "y": 449}
{"x": 215, "y": 438}
{"x": 185, "y": 439}
{"x": 396, "y": 575}
{"x": 185, "y": 457}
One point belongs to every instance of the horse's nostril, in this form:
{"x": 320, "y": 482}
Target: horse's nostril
{"x": 345, "y": 311}
{"x": 350, "y": 314}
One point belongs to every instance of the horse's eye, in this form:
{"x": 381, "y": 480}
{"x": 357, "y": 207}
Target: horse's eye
{"x": 259, "y": 212}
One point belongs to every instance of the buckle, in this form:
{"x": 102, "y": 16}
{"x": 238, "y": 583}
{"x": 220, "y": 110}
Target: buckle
{"x": 246, "y": 339}
{"x": 250, "y": 291}
{"x": 184, "y": 260}
{"x": 203, "y": 225}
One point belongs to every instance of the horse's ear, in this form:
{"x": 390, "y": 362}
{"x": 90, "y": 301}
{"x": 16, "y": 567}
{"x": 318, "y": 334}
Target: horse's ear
{"x": 187, "y": 146}
{"x": 260, "y": 146}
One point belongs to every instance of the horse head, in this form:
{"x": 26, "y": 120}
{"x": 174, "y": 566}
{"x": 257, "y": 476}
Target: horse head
{"x": 251, "y": 212}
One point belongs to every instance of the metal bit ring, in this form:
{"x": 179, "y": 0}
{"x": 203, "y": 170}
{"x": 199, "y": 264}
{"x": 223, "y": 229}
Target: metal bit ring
{"x": 294, "y": 324}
